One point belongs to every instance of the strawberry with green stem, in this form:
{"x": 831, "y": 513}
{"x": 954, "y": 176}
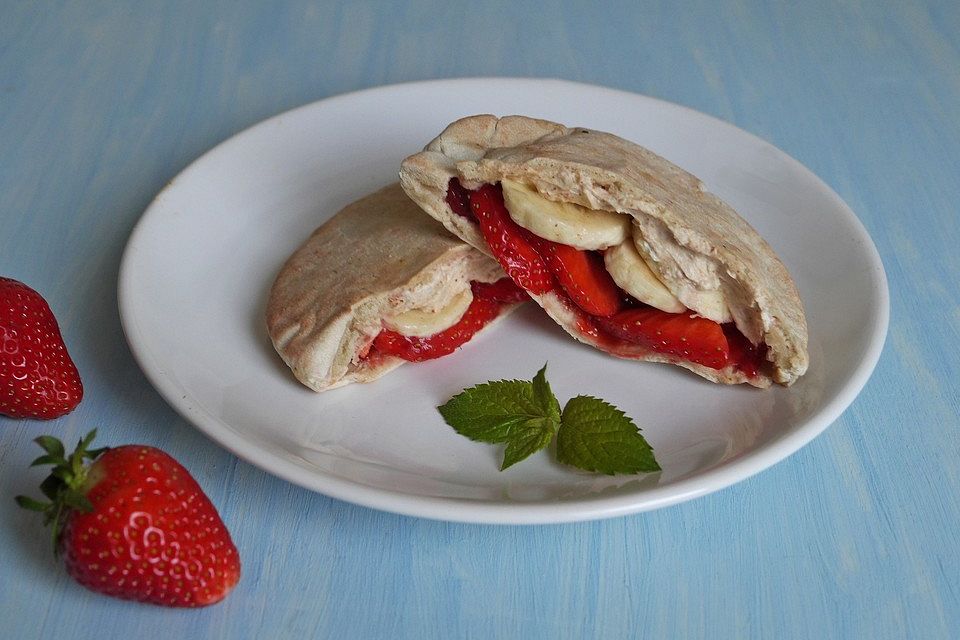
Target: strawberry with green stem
{"x": 37, "y": 377}
{"x": 131, "y": 522}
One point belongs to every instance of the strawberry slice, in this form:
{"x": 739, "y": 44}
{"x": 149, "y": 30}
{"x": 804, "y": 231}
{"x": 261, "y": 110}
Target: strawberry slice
{"x": 747, "y": 357}
{"x": 503, "y": 290}
{"x": 416, "y": 349}
{"x": 582, "y": 275}
{"x": 458, "y": 198}
{"x": 684, "y": 335}
{"x": 508, "y": 241}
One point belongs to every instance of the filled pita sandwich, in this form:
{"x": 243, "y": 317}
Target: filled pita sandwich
{"x": 626, "y": 251}
{"x": 377, "y": 285}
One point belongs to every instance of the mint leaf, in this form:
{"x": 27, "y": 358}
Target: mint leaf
{"x": 596, "y": 436}
{"x": 488, "y": 412}
{"x": 528, "y": 438}
{"x": 543, "y": 395}
{"x": 524, "y": 415}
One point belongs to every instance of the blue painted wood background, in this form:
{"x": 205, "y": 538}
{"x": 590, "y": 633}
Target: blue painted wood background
{"x": 856, "y": 536}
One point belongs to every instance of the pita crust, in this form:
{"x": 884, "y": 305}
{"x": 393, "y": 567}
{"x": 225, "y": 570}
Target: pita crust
{"x": 377, "y": 257}
{"x": 697, "y": 241}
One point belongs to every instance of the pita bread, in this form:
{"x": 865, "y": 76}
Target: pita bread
{"x": 377, "y": 258}
{"x": 699, "y": 243}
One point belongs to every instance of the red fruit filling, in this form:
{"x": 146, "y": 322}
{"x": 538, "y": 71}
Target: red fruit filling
{"x": 488, "y": 300}
{"x": 749, "y": 357}
{"x": 503, "y": 290}
{"x": 604, "y": 311}
{"x": 582, "y": 275}
{"x": 684, "y": 335}
{"x": 459, "y": 198}
{"x": 509, "y": 242}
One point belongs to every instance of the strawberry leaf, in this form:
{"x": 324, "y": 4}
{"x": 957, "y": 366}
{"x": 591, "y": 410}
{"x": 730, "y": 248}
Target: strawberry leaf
{"x": 596, "y": 436}
{"x": 25, "y": 502}
{"x": 50, "y": 487}
{"x": 51, "y": 445}
{"x": 45, "y": 459}
{"x": 77, "y": 501}
{"x": 87, "y": 440}
{"x": 93, "y": 454}
{"x": 65, "y": 484}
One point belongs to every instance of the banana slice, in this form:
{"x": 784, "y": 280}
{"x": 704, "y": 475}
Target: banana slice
{"x": 564, "y": 222}
{"x": 712, "y": 305}
{"x": 421, "y": 323}
{"x": 632, "y": 274}
{"x": 709, "y": 303}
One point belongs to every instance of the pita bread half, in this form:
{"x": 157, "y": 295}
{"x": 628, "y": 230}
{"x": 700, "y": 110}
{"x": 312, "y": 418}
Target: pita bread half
{"x": 378, "y": 257}
{"x": 699, "y": 244}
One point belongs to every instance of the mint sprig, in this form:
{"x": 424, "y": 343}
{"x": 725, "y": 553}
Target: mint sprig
{"x": 591, "y": 434}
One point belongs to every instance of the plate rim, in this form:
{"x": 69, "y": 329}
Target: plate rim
{"x": 474, "y": 511}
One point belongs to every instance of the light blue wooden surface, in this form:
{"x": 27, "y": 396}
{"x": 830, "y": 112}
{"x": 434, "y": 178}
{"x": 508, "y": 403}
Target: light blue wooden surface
{"x": 856, "y": 536}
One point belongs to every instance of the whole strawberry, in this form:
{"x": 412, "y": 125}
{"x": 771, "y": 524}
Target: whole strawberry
{"x": 134, "y": 524}
{"x": 37, "y": 376}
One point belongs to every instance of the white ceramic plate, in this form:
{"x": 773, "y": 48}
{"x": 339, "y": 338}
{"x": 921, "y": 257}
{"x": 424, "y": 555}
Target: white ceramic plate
{"x": 199, "y": 264}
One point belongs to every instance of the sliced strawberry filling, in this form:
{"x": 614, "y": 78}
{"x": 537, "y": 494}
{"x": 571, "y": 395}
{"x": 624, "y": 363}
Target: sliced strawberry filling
{"x": 509, "y": 243}
{"x": 582, "y": 276}
{"x": 458, "y": 198}
{"x": 603, "y": 310}
{"x": 488, "y": 300}
{"x": 749, "y": 358}
{"x": 503, "y": 290}
{"x": 684, "y": 335}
